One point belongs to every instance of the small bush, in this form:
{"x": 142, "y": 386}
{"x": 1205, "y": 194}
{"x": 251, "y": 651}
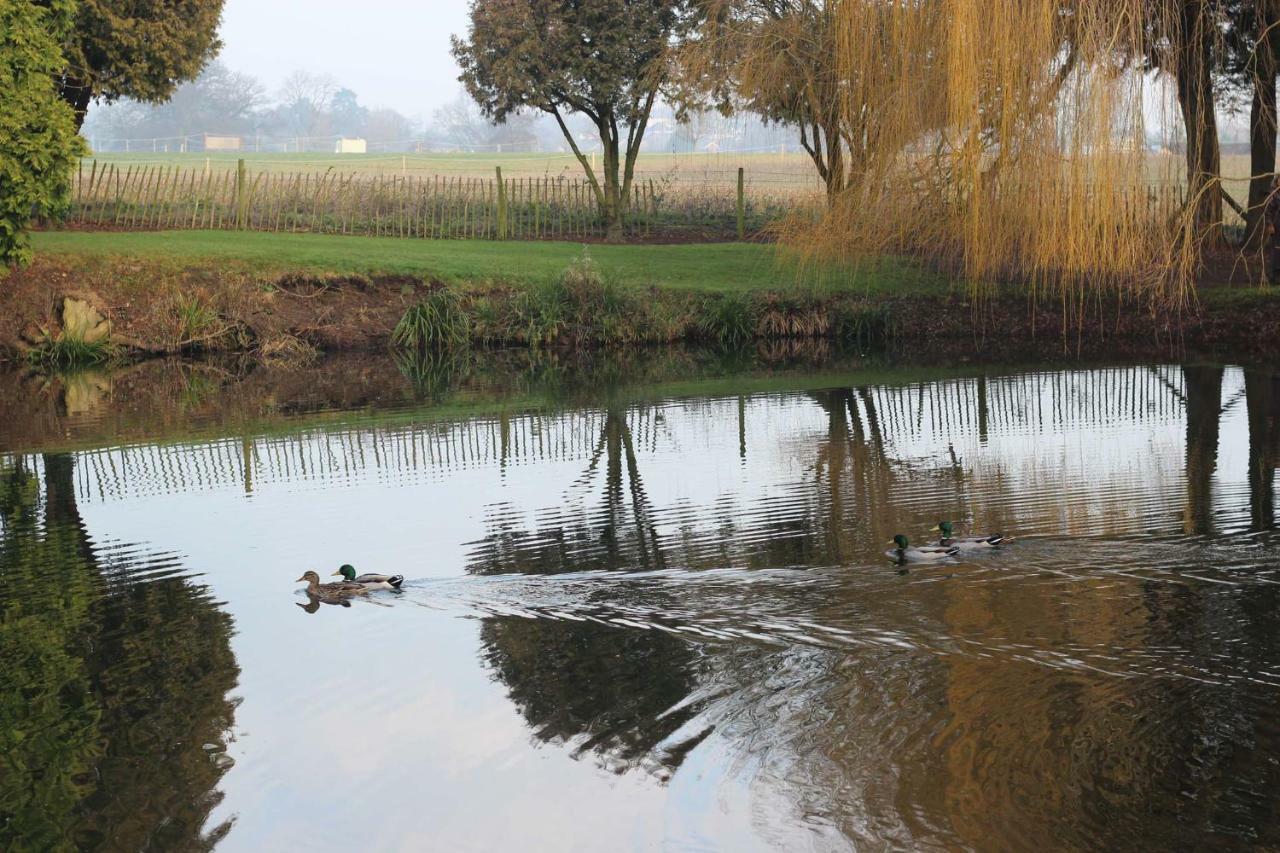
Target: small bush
{"x": 436, "y": 322}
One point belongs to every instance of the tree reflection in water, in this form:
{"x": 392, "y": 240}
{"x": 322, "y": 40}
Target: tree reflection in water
{"x": 1262, "y": 387}
{"x": 1012, "y": 719}
{"x": 604, "y": 691}
{"x": 114, "y": 683}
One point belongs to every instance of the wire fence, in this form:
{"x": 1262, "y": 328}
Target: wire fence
{"x": 167, "y": 196}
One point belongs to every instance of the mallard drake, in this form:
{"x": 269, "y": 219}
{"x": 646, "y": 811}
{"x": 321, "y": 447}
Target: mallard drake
{"x": 348, "y": 572}
{"x": 967, "y": 543}
{"x": 902, "y": 552}
{"x": 322, "y": 591}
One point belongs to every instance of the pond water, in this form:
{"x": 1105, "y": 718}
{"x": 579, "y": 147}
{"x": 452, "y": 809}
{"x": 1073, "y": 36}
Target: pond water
{"x": 647, "y": 607}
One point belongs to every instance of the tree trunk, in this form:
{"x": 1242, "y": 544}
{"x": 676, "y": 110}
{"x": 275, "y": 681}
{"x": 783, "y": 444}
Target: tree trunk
{"x": 1195, "y": 98}
{"x": 1262, "y": 125}
{"x": 614, "y": 208}
{"x": 835, "y": 162}
{"x": 827, "y": 154}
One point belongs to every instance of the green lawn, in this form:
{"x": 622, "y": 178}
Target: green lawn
{"x": 705, "y": 266}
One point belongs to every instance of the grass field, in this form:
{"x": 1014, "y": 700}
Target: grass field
{"x": 712, "y": 267}
{"x": 767, "y": 172}
{"x": 792, "y": 171}
{"x": 715, "y": 267}
{"x": 158, "y": 197}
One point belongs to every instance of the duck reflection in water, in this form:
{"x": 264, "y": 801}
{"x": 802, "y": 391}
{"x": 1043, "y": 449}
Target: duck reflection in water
{"x": 314, "y": 602}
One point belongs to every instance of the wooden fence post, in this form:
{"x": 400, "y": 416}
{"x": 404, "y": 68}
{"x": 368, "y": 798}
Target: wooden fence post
{"x": 502, "y": 205}
{"x": 742, "y": 210}
{"x": 240, "y": 194}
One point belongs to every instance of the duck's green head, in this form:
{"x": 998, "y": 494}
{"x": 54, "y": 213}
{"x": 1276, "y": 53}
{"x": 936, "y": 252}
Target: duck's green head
{"x": 900, "y": 541}
{"x": 945, "y": 527}
{"x": 347, "y": 571}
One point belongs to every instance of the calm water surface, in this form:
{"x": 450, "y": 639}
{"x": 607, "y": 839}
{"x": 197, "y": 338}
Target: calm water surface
{"x": 648, "y": 608}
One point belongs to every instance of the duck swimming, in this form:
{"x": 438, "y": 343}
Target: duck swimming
{"x": 968, "y": 543}
{"x": 330, "y": 591}
{"x": 348, "y": 572}
{"x": 902, "y": 552}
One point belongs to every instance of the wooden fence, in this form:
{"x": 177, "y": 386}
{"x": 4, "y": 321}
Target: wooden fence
{"x": 437, "y": 207}
{"x": 167, "y": 196}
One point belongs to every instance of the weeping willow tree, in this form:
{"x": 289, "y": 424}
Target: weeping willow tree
{"x": 1004, "y": 140}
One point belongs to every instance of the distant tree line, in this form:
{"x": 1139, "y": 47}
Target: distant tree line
{"x": 307, "y": 111}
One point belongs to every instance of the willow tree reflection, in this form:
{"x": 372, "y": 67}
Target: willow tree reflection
{"x": 617, "y": 534}
{"x": 112, "y": 684}
{"x": 602, "y": 689}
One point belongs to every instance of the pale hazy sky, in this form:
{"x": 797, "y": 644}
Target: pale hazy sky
{"x": 393, "y": 53}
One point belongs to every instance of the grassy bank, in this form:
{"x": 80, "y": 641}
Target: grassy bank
{"x": 291, "y": 296}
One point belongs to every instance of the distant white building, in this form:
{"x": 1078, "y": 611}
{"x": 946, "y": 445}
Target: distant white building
{"x": 351, "y": 146}
{"x": 221, "y": 143}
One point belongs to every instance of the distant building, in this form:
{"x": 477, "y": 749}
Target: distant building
{"x": 351, "y": 146}
{"x": 221, "y": 143}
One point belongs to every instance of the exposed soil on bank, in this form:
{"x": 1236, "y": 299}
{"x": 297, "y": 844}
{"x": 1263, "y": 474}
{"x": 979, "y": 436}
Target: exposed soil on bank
{"x": 154, "y": 309}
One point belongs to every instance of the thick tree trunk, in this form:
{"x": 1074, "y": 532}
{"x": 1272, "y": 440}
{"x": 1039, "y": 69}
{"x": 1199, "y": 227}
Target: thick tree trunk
{"x": 1195, "y": 98}
{"x": 614, "y": 211}
{"x": 1262, "y": 124}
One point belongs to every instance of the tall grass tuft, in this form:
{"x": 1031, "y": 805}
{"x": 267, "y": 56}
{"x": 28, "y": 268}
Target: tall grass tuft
{"x": 730, "y": 320}
{"x": 67, "y": 353}
{"x": 196, "y": 318}
{"x": 865, "y": 325}
{"x": 437, "y": 322}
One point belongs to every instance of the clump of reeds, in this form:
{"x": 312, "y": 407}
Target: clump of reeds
{"x": 865, "y": 325}
{"x": 69, "y": 353}
{"x": 730, "y": 320}
{"x": 437, "y": 321}
{"x": 196, "y": 318}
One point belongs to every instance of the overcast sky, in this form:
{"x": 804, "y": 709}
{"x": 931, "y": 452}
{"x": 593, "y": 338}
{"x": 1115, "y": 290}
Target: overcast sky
{"x": 393, "y": 53}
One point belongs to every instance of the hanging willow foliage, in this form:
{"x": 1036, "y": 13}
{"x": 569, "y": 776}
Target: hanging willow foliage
{"x": 1003, "y": 139}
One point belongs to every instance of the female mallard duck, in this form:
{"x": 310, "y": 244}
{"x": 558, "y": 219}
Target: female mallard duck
{"x": 902, "y": 552}
{"x": 341, "y": 589}
{"x": 370, "y": 581}
{"x": 967, "y": 543}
